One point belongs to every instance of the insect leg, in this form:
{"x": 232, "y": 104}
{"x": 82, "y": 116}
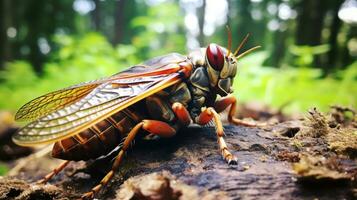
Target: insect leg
{"x": 182, "y": 113}
{"x": 154, "y": 127}
{"x": 54, "y": 172}
{"x": 221, "y": 104}
{"x": 205, "y": 117}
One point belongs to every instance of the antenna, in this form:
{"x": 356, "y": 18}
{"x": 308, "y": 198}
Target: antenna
{"x": 247, "y": 52}
{"x": 241, "y": 44}
{"x": 229, "y": 39}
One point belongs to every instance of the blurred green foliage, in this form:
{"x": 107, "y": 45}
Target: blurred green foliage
{"x": 304, "y": 55}
{"x": 91, "y": 56}
{"x": 78, "y": 59}
{"x": 3, "y": 169}
{"x": 159, "y": 29}
{"x": 297, "y": 88}
{"x": 159, "y": 36}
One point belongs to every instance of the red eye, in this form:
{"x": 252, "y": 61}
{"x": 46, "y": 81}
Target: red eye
{"x": 215, "y": 56}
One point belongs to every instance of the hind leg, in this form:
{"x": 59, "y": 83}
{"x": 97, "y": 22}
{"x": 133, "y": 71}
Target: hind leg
{"x": 54, "y": 172}
{"x": 154, "y": 127}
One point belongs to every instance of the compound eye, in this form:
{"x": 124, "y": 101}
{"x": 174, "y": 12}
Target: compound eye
{"x": 215, "y": 56}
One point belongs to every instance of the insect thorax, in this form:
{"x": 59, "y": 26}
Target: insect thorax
{"x": 194, "y": 92}
{"x": 199, "y": 83}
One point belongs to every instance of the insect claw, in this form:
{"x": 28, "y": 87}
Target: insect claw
{"x": 232, "y": 161}
{"x": 88, "y": 195}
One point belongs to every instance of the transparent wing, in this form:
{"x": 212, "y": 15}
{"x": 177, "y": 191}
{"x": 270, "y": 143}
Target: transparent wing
{"x": 57, "y": 100}
{"x": 102, "y": 102}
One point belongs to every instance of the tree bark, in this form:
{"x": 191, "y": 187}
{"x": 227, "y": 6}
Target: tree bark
{"x": 192, "y": 159}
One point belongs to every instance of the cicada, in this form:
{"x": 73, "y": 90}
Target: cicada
{"x": 152, "y": 99}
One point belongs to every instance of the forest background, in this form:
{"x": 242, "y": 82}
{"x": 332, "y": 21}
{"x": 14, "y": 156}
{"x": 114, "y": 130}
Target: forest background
{"x": 307, "y": 59}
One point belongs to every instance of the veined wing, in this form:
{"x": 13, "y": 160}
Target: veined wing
{"x": 54, "y": 100}
{"x": 57, "y": 100}
{"x": 102, "y": 102}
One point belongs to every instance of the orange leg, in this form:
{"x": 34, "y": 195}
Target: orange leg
{"x": 54, "y": 172}
{"x": 154, "y": 127}
{"x": 221, "y": 104}
{"x": 206, "y": 116}
{"x": 181, "y": 113}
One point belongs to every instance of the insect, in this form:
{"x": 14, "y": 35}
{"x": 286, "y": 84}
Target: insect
{"x": 154, "y": 98}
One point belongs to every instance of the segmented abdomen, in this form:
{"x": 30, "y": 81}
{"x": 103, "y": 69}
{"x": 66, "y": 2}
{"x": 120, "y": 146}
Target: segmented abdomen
{"x": 99, "y": 139}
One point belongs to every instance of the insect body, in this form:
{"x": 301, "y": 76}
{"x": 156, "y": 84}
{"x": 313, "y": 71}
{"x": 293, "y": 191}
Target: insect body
{"x": 155, "y": 98}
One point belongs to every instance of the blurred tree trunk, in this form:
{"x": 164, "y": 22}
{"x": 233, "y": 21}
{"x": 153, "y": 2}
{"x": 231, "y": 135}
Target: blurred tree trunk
{"x": 245, "y": 23}
{"x": 278, "y": 49}
{"x": 333, "y": 54}
{"x": 119, "y": 21}
{"x": 334, "y": 29}
{"x": 40, "y": 19}
{"x": 125, "y": 11}
{"x": 347, "y": 59}
{"x": 96, "y": 16}
{"x": 201, "y": 23}
{"x": 277, "y": 46}
{"x": 5, "y": 23}
{"x": 2, "y": 34}
{"x": 34, "y": 23}
{"x": 310, "y": 22}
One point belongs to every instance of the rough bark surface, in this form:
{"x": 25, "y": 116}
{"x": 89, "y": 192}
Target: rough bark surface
{"x": 189, "y": 166}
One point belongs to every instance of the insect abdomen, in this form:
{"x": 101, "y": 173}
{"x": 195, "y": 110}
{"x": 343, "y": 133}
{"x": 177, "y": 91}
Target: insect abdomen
{"x": 97, "y": 140}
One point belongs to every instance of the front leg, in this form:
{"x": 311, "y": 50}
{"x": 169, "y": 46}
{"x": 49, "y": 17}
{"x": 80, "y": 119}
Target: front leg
{"x": 206, "y": 116}
{"x": 223, "y": 103}
{"x": 181, "y": 113}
